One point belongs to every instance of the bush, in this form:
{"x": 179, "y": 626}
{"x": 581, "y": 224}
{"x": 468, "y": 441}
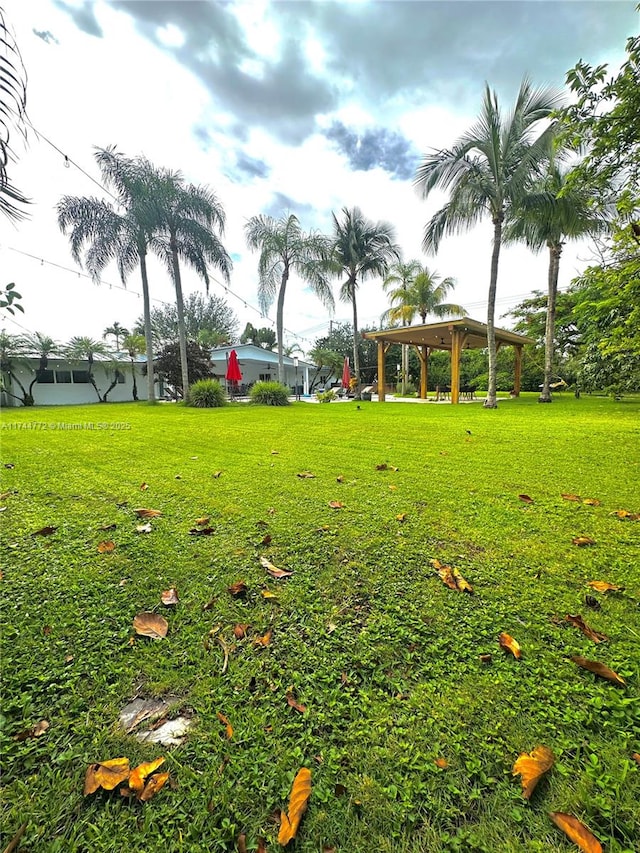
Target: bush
{"x": 326, "y": 396}
{"x": 269, "y": 394}
{"x": 206, "y": 394}
{"x": 410, "y": 389}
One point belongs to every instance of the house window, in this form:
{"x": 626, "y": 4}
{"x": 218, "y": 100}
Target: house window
{"x": 80, "y": 377}
{"x": 265, "y": 377}
{"x": 45, "y": 377}
{"x": 63, "y": 377}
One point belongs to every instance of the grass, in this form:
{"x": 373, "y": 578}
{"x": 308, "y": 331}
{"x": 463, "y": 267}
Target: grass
{"x": 384, "y": 656}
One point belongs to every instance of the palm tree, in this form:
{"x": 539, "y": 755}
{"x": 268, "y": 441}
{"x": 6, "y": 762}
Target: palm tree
{"x": 487, "y": 171}
{"x": 135, "y": 345}
{"x": 44, "y": 347}
{"x": 86, "y": 349}
{"x": 13, "y": 115}
{"x": 553, "y": 211}
{"x": 284, "y": 249}
{"x": 361, "y": 249}
{"x": 181, "y": 219}
{"x": 323, "y": 357}
{"x": 420, "y": 291}
{"x": 105, "y": 233}
{"x": 117, "y": 331}
{"x": 13, "y": 355}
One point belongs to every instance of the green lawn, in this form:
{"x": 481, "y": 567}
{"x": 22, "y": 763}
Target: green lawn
{"x": 385, "y": 658}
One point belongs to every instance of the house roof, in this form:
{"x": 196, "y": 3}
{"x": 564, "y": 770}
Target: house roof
{"x": 250, "y": 353}
{"x": 438, "y": 335}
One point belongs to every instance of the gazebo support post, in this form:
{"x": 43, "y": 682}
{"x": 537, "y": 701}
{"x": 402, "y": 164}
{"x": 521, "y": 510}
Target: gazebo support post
{"x": 423, "y": 355}
{"x": 517, "y": 372}
{"x": 457, "y": 340}
{"x": 381, "y": 354}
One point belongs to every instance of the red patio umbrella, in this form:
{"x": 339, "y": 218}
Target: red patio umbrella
{"x": 346, "y": 374}
{"x": 233, "y": 373}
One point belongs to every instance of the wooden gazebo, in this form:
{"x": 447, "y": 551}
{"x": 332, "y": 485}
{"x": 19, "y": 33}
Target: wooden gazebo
{"x": 451, "y": 335}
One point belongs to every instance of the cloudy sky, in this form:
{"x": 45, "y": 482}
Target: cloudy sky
{"x": 282, "y": 106}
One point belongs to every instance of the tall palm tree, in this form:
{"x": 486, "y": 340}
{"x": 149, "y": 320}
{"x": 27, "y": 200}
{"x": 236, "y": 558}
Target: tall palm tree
{"x": 44, "y": 347}
{"x": 323, "y": 357}
{"x": 82, "y": 348}
{"x": 285, "y": 249}
{"x": 400, "y": 276}
{"x": 487, "y": 171}
{"x": 117, "y": 331}
{"x": 13, "y": 116}
{"x": 361, "y": 249}
{"x": 135, "y": 345}
{"x": 181, "y": 219}
{"x": 553, "y": 211}
{"x": 104, "y": 232}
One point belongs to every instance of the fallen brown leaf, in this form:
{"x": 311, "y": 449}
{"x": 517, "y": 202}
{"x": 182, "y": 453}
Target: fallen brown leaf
{"x": 241, "y": 843}
{"x": 201, "y": 531}
{"x": 486, "y": 658}
{"x": 240, "y": 631}
{"x": 336, "y": 504}
{"x": 35, "y": 731}
{"x": 274, "y": 571}
{"x": 266, "y": 540}
{"x": 202, "y": 522}
{"x": 451, "y": 577}
{"x": 605, "y": 586}
{"x": 151, "y": 625}
{"x": 143, "y": 528}
{"x": 266, "y": 593}
{"x": 510, "y": 645}
{"x": 570, "y": 497}
{"x": 599, "y": 669}
{"x": 624, "y": 513}
{"x": 291, "y": 702}
{"x": 227, "y": 725}
{"x": 144, "y": 487}
{"x": 217, "y": 475}
{"x": 298, "y": 799}
{"x": 591, "y": 502}
{"x": 154, "y": 784}
{"x": 210, "y": 604}
{"x": 44, "y": 531}
{"x": 579, "y": 622}
{"x": 139, "y": 774}
{"x": 531, "y": 766}
{"x": 401, "y": 517}
{"x": 106, "y": 774}
{"x": 526, "y": 499}
{"x": 238, "y": 588}
{"x": 106, "y": 547}
{"x": 141, "y": 512}
{"x": 583, "y": 540}
{"x": 577, "y": 832}
{"x": 306, "y": 475}
{"x": 169, "y": 596}
{"x": 442, "y": 763}
{"x": 636, "y": 756}
{"x": 340, "y": 479}
{"x": 107, "y": 527}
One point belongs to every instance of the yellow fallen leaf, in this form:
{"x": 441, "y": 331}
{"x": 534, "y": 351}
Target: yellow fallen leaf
{"x": 151, "y": 625}
{"x": 577, "y": 832}
{"x": 599, "y": 669}
{"x": 531, "y": 766}
{"x": 227, "y": 725}
{"x": 604, "y": 586}
{"x": 106, "y": 547}
{"x": 140, "y": 773}
{"x": 510, "y": 645}
{"x": 442, "y": 763}
{"x": 154, "y": 784}
{"x": 106, "y": 774}
{"x": 581, "y": 541}
{"x": 298, "y": 799}
{"x": 141, "y": 512}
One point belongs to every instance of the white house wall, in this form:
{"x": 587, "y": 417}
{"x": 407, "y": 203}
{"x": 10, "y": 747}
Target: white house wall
{"x": 65, "y": 394}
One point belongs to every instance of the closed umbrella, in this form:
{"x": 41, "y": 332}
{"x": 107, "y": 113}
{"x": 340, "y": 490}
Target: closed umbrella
{"x": 233, "y": 369}
{"x": 346, "y": 374}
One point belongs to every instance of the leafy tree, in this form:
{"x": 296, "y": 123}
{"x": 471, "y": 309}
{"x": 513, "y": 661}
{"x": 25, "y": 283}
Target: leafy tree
{"x": 169, "y": 366}
{"x": 604, "y": 120}
{"x": 531, "y": 320}
{"x": 13, "y": 355}
{"x": 552, "y": 211}
{"x": 117, "y": 331}
{"x": 258, "y": 337}
{"x": 81, "y": 348}
{"x": 13, "y": 112}
{"x": 182, "y": 219}
{"x": 607, "y": 310}
{"x": 105, "y": 232}
{"x": 134, "y": 345}
{"x": 202, "y": 314}
{"x": 340, "y": 339}
{"x": 322, "y": 358}
{"x": 285, "y": 249}
{"x": 486, "y": 172}
{"x": 361, "y": 249}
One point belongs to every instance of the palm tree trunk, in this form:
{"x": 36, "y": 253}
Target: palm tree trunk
{"x": 491, "y": 401}
{"x": 554, "y": 267}
{"x": 182, "y": 335}
{"x": 280, "y": 322}
{"x": 356, "y": 354}
{"x": 148, "y": 336}
{"x": 93, "y": 381}
{"x": 135, "y": 384}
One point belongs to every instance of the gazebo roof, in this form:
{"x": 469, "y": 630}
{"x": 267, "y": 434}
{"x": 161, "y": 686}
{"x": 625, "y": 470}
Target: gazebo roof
{"x": 439, "y": 335}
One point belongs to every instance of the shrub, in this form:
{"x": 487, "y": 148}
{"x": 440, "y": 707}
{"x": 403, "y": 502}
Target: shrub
{"x": 410, "y": 389}
{"x": 269, "y": 394}
{"x": 326, "y": 396}
{"x": 206, "y": 394}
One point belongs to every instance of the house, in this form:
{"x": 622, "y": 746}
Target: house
{"x": 66, "y": 383}
{"x": 258, "y": 364}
